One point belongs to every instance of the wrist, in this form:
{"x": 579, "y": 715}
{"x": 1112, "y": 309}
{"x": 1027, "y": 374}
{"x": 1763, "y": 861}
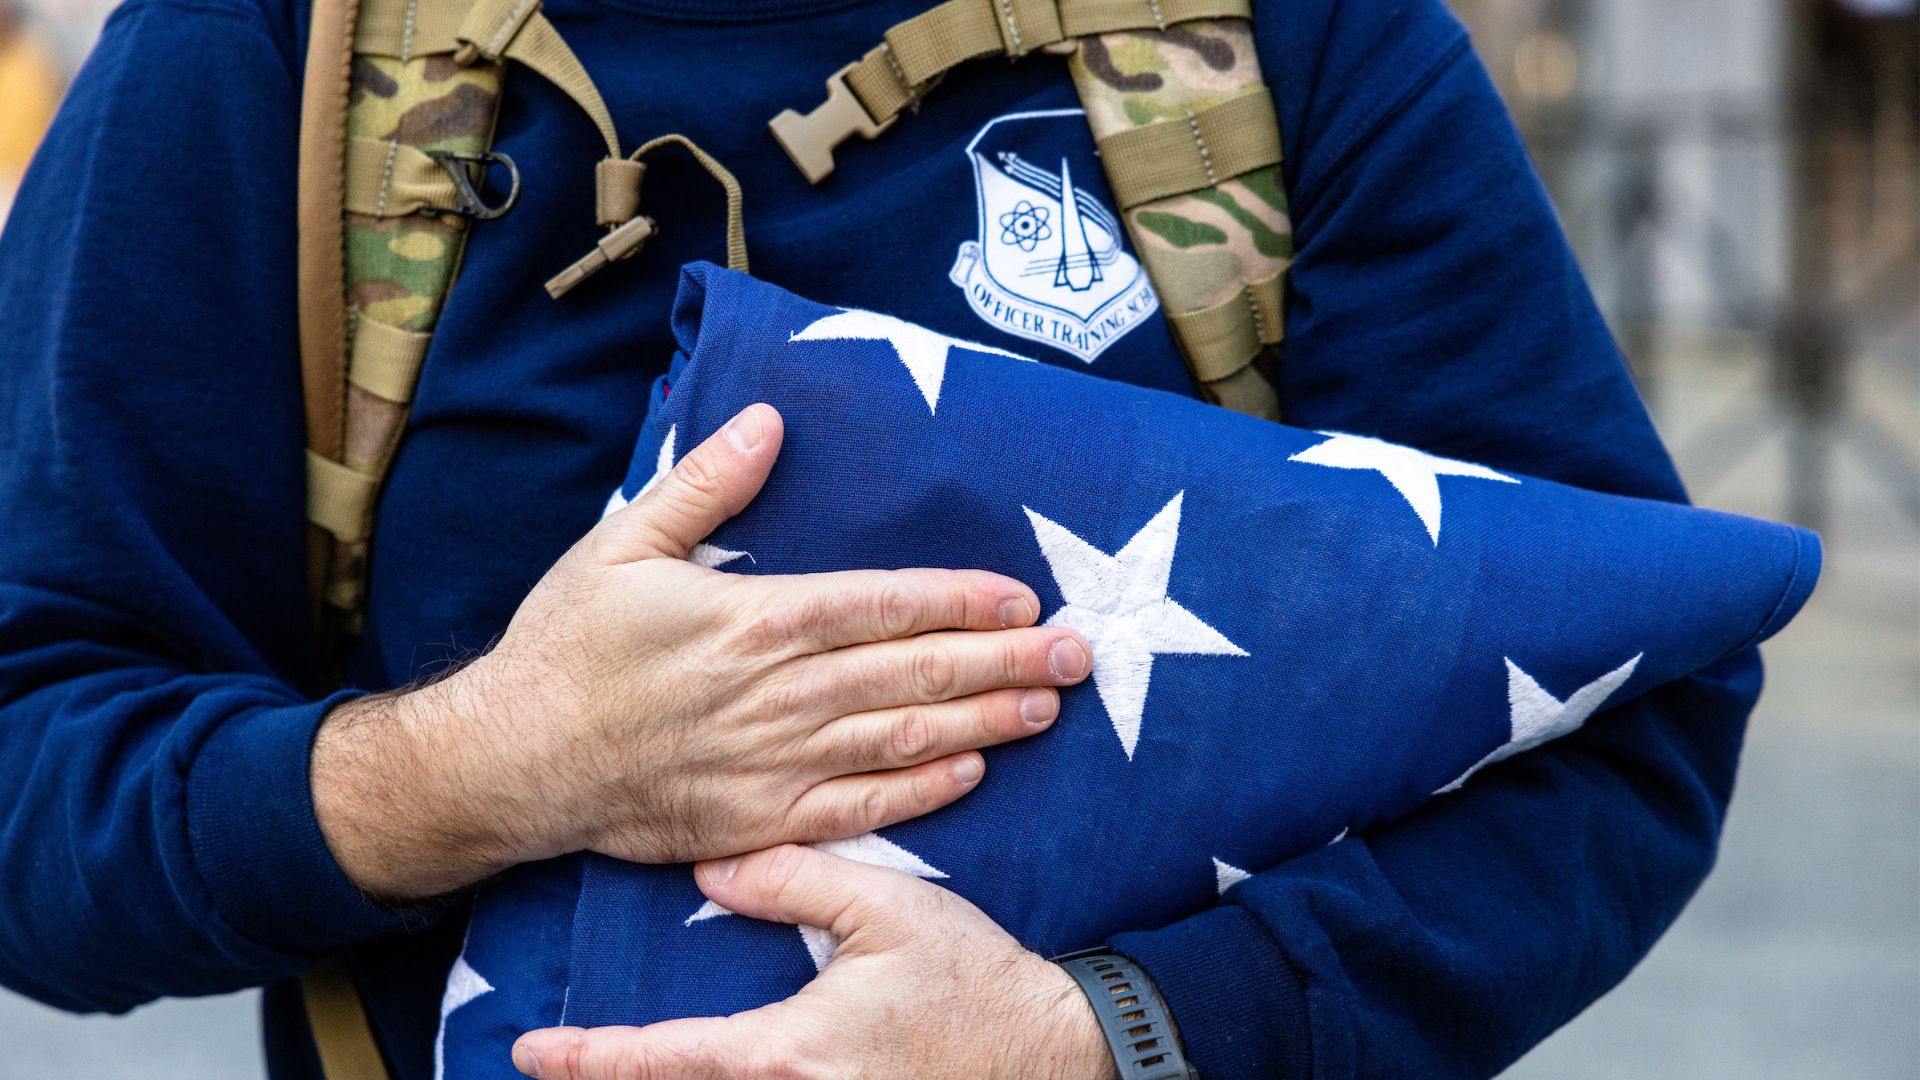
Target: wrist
{"x": 1136, "y": 1029}
{"x": 1070, "y": 1036}
{"x": 404, "y": 815}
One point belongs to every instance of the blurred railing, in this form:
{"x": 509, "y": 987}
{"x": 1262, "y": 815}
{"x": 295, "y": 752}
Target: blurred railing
{"x": 1739, "y": 167}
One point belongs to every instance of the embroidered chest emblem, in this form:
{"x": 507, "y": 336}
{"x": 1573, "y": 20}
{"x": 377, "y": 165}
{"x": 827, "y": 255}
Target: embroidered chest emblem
{"x": 1050, "y": 263}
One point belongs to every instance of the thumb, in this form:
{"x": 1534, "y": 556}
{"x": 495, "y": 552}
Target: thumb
{"x": 808, "y": 887}
{"x": 715, "y": 481}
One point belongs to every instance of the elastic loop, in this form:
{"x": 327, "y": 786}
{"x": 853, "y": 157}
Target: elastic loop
{"x": 340, "y": 499}
{"x": 387, "y": 179}
{"x": 385, "y": 360}
{"x": 1220, "y": 340}
{"x": 1172, "y": 157}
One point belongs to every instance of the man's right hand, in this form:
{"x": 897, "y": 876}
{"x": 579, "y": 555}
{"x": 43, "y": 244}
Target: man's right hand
{"x": 644, "y": 707}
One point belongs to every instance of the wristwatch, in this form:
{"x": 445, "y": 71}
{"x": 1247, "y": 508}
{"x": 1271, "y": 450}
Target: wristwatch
{"x": 1132, "y": 1015}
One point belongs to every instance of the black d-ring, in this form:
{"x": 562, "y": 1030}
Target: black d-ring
{"x": 467, "y": 180}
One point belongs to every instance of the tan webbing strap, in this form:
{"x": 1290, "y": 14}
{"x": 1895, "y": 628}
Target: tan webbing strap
{"x": 1212, "y": 144}
{"x": 386, "y": 179}
{"x": 340, "y": 498}
{"x": 915, "y": 53}
{"x": 406, "y": 29}
{"x": 865, "y": 97}
{"x": 386, "y": 359}
{"x": 1081, "y": 18}
{"x": 1220, "y": 340}
{"x": 516, "y": 30}
{"x": 340, "y": 1030}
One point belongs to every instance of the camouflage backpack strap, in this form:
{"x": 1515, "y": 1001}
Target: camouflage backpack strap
{"x": 1186, "y": 130}
{"x": 394, "y": 147}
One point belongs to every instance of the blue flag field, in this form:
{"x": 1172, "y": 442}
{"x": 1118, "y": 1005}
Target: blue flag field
{"x": 1296, "y": 634}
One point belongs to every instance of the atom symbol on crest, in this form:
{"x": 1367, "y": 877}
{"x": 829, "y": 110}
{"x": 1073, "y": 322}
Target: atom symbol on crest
{"x": 1025, "y": 225}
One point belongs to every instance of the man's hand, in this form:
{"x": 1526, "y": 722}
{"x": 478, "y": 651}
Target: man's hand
{"x": 923, "y": 987}
{"x": 644, "y": 707}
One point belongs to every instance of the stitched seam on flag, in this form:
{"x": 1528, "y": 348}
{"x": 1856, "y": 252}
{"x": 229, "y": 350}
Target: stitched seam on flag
{"x": 1781, "y": 601}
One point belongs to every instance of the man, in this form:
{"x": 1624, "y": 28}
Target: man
{"x": 189, "y": 810}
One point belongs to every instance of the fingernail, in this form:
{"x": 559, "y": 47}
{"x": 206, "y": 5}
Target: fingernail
{"x": 744, "y": 430}
{"x": 526, "y": 1060}
{"x": 1037, "y": 707}
{"x": 1068, "y": 659}
{"x": 722, "y": 872}
{"x": 1015, "y": 611}
{"x": 967, "y": 770}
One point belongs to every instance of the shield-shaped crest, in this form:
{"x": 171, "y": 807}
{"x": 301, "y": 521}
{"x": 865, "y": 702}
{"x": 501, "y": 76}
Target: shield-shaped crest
{"x": 1051, "y": 261}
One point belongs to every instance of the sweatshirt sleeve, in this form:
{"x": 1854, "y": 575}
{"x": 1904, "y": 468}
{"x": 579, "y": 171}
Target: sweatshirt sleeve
{"x": 1435, "y": 302}
{"x": 156, "y": 828}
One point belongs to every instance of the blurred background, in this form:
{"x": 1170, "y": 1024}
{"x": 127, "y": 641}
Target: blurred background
{"x": 1742, "y": 181}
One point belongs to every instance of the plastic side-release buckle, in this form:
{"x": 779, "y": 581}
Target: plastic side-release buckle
{"x": 809, "y": 139}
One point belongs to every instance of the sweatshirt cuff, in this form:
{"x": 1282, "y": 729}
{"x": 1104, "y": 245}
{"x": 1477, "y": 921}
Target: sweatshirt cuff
{"x": 1239, "y": 1005}
{"x": 257, "y": 844}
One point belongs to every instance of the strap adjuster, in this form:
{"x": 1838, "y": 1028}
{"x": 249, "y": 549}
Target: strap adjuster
{"x": 809, "y": 138}
{"x": 473, "y": 205}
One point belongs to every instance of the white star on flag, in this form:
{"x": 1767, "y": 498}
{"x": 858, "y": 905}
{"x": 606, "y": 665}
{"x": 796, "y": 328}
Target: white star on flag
{"x": 920, "y": 349}
{"x": 1537, "y": 716}
{"x": 463, "y": 985}
{"x": 870, "y": 848}
{"x": 1413, "y": 474}
{"x": 707, "y": 555}
{"x": 1226, "y": 876}
{"x": 1119, "y": 603}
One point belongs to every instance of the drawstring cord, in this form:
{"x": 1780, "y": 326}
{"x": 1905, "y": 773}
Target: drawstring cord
{"x": 617, "y": 204}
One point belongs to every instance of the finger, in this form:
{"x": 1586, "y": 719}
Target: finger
{"x": 808, "y": 887}
{"x": 715, "y": 481}
{"x": 850, "y": 805}
{"x": 810, "y": 613}
{"x": 942, "y": 666}
{"x": 911, "y": 734}
{"x": 707, "y": 1048}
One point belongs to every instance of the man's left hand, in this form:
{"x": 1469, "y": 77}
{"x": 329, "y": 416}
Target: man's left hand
{"x": 924, "y": 986}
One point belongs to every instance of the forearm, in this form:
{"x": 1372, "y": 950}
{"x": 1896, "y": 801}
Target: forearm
{"x": 408, "y": 791}
{"x": 155, "y": 838}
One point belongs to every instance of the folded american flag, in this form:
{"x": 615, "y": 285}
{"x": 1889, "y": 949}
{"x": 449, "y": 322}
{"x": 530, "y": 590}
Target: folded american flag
{"x": 1295, "y": 634}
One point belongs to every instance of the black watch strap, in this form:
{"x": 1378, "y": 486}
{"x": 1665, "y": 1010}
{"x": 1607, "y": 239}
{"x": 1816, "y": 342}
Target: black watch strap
{"x": 1132, "y": 1015}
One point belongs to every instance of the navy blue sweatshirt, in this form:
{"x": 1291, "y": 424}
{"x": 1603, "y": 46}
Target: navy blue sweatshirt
{"x": 158, "y": 692}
